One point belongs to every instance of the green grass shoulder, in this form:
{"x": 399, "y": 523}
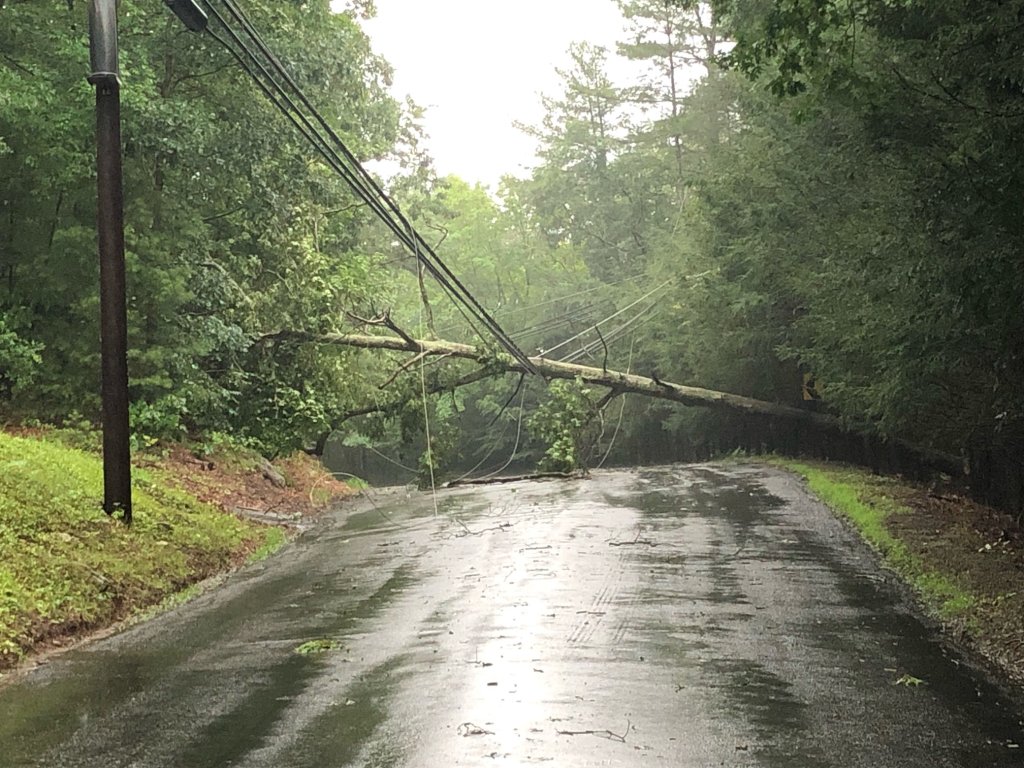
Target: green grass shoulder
{"x": 872, "y": 503}
{"x": 66, "y": 567}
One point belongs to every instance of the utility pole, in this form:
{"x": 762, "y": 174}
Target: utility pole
{"x": 117, "y": 479}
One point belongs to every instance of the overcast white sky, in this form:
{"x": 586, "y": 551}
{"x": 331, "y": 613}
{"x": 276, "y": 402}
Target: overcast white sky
{"x": 479, "y": 65}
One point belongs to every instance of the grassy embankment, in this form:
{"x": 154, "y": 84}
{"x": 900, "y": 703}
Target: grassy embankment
{"x": 964, "y": 561}
{"x": 67, "y": 568}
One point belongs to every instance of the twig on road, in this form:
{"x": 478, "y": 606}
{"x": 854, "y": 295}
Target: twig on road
{"x": 467, "y": 531}
{"x": 636, "y": 540}
{"x": 603, "y": 733}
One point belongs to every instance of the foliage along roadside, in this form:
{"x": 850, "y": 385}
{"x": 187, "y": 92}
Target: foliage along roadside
{"x": 862, "y": 233}
{"x": 66, "y": 568}
{"x": 230, "y": 229}
{"x": 963, "y": 560}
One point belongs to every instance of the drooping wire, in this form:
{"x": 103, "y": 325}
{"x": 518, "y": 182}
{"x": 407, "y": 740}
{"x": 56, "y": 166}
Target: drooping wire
{"x": 496, "y": 442}
{"x": 622, "y": 409}
{"x": 426, "y": 416}
{"x": 519, "y": 434}
{"x": 533, "y": 307}
{"x": 389, "y": 460}
{"x": 490, "y": 452}
{"x": 287, "y": 106}
{"x": 350, "y": 169}
{"x": 506, "y": 312}
{"x": 612, "y": 316}
{"x": 643, "y": 316}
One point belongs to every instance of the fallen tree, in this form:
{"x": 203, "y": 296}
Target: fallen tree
{"x": 492, "y": 364}
{"x": 617, "y": 382}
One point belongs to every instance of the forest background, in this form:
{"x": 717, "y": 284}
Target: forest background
{"x": 837, "y": 198}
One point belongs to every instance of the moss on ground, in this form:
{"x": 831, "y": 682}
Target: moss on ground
{"x": 66, "y": 567}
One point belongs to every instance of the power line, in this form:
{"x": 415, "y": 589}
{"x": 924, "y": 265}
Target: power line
{"x": 611, "y": 316}
{"x": 367, "y": 187}
{"x": 515, "y": 310}
{"x": 646, "y": 314}
{"x": 288, "y": 107}
{"x": 279, "y": 87}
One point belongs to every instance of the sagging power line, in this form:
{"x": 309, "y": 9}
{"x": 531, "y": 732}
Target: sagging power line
{"x": 244, "y": 43}
{"x": 596, "y": 326}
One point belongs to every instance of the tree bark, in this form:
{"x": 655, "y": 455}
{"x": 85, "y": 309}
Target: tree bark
{"x": 551, "y": 369}
{"x": 618, "y": 382}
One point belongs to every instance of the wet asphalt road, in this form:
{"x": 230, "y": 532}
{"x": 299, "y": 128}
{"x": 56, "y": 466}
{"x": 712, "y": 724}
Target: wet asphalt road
{"x": 684, "y": 616}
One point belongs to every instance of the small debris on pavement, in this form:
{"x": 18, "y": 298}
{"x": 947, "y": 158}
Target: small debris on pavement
{"x": 471, "y": 729}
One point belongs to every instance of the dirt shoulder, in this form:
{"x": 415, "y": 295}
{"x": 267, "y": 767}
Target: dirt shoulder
{"x": 964, "y": 561}
{"x": 287, "y": 492}
{"x": 981, "y": 548}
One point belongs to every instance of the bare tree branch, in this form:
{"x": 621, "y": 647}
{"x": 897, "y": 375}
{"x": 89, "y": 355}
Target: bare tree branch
{"x": 402, "y": 369}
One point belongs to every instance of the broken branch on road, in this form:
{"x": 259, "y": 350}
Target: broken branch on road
{"x": 636, "y": 540}
{"x": 603, "y": 733}
{"x": 467, "y": 531}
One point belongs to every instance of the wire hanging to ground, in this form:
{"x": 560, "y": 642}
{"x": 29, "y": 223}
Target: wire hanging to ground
{"x": 426, "y": 430}
{"x": 515, "y": 448}
{"x": 426, "y": 418}
{"x": 497, "y": 441}
{"x": 622, "y": 409}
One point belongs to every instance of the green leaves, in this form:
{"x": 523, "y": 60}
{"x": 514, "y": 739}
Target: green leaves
{"x": 231, "y": 231}
{"x": 560, "y": 423}
{"x": 20, "y": 359}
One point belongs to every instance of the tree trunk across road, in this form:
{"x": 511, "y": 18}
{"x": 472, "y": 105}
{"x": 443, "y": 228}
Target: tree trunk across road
{"x": 622, "y": 383}
{"x": 681, "y": 616}
{"x": 616, "y": 382}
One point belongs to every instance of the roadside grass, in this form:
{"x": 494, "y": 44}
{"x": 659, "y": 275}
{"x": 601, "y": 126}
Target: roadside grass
{"x": 868, "y": 502}
{"x": 273, "y": 540}
{"x": 66, "y": 567}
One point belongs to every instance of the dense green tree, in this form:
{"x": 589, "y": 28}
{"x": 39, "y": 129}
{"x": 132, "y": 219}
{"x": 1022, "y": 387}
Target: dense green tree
{"x": 232, "y": 229}
{"x": 576, "y": 193}
{"x": 680, "y": 43}
{"x": 867, "y": 226}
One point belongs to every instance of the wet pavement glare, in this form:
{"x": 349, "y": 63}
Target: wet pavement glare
{"x": 680, "y": 616}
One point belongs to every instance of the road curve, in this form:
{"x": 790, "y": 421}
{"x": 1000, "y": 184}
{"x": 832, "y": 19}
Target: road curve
{"x": 681, "y": 616}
